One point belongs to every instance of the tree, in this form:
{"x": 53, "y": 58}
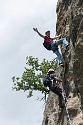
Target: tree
{"x": 31, "y": 79}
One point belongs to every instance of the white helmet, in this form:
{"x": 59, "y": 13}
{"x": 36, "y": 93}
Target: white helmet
{"x": 51, "y": 70}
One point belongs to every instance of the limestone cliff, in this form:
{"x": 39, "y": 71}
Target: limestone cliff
{"x": 70, "y": 24}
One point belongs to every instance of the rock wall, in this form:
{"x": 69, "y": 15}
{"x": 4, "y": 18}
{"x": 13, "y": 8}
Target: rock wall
{"x": 70, "y": 25}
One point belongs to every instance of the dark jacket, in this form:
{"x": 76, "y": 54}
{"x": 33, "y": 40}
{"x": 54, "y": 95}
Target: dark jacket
{"x": 48, "y": 79}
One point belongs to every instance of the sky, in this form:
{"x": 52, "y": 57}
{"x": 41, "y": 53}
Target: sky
{"x": 17, "y": 41}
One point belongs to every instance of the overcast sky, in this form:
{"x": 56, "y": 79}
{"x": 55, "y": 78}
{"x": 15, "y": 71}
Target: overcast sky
{"x": 17, "y": 41}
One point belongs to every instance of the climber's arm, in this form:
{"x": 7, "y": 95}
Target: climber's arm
{"x": 36, "y": 30}
{"x": 57, "y": 79}
{"x": 56, "y": 37}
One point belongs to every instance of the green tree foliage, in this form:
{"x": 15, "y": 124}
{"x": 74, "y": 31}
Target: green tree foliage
{"x": 32, "y": 76}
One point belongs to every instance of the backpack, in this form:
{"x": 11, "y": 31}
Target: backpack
{"x": 46, "y": 80}
{"x": 47, "y": 45}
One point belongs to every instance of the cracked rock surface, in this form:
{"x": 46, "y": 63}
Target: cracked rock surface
{"x": 70, "y": 24}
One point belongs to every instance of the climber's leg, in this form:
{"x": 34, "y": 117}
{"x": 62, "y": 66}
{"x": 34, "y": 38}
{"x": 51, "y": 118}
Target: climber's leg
{"x": 58, "y": 56}
{"x": 61, "y": 101}
{"x": 62, "y": 96}
{"x": 62, "y": 41}
{"x": 54, "y": 47}
{"x": 65, "y": 42}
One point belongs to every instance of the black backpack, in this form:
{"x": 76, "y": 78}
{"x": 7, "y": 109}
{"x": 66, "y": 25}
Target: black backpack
{"x": 47, "y": 45}
{"x": 46, "y": 80}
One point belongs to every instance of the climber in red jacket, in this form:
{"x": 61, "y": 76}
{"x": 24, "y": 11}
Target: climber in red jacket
{"x": 50, "y": 44}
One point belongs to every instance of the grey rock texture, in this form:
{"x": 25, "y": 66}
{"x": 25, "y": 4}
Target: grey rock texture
{"x": 70, "y": 24}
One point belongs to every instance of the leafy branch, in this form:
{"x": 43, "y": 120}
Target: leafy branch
{"x": 31, "y": 79}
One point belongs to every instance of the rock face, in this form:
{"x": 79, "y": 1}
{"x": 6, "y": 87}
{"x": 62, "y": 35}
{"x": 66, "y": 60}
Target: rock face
{"x": 70, "y": 24}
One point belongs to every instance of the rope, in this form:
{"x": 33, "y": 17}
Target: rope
{"x": 68, "y": 117}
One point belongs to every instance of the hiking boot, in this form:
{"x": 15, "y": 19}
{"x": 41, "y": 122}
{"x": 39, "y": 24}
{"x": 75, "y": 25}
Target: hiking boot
{"x": 67, "y": 47}
{"x": 61, "y": 64}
